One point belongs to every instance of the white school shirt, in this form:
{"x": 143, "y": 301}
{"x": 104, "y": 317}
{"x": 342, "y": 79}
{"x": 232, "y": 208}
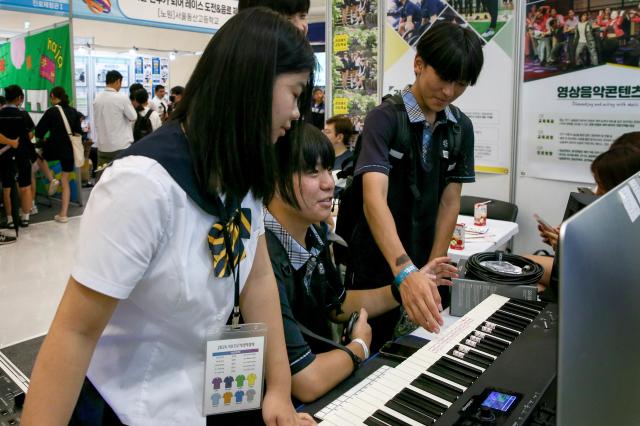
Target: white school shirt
{"x": 112, "y": 117}
{"x": 154, "y": 118}
{"x": 143, "y": 241}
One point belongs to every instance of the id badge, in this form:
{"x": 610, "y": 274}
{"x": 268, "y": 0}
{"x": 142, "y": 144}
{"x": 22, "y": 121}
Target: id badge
{"x": 234, "y": 368}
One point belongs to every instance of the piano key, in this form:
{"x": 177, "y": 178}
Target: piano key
{"x": 492, "y": 337}
{"x": 440, "y": 402}
{"x": 520, "y": 318}
{"x": 392, "y": 419}
{"x": 465, "y": 349}
{"x": 483, "y": 363}
{"x": 539, "y": 306}
{"x": 503, "y": 329}
{"x": 515, "y": 322}
{"x": 505, "y": 323}
{"x": 409, "y": 412}
{"x": 462, "y": 366}
{"x": 454, "y": 385}
{"x": 436, "y": 387}
{"x": 496, "y": 346}
{"x": 522, "y": 308}
{"x": 419, "y": 403}
{"x": 498, "y": 333}
{"x": 450, "y": 374}
{"x": 482, "y": 347}
{"x": 372, "y": 421}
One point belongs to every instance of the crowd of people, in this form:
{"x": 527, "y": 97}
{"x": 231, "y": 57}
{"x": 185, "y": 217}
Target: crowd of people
{"x": 582, "y": 38}
{"x": 26, "y": 148}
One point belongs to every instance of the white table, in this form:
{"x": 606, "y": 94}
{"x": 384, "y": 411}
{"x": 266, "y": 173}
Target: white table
{"x": 498, "y": 234}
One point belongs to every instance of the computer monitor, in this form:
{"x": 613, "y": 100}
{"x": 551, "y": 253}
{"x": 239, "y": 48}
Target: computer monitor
{"x": 577, "y": 201}
{"x": 599, "y": 305}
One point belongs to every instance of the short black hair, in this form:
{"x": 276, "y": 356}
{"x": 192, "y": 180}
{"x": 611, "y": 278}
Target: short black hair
{"x": 293, "y": 159}
{"x": 158, "y": 87}
{"x": 177, "y": 90}
{"x": 227, "y": 103}
{"x": 344, "y": 126}
{"x": 616, "y": 165}
{"x": 454, "y": 52}
{"x": 133, "y": 89}
{"x": 112, "y": 77}
{"x": 284, "y": 7}
{"x": 13, "y": 92}
{"x": 141, "y": 96}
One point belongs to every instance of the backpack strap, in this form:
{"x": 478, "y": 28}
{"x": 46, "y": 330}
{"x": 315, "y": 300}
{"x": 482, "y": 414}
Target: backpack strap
{"x": 148, "y": 114}
{"x": 454, "y": 133}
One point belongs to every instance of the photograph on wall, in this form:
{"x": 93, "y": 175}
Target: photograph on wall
{"x": 491, "y": 115}
{"x": 585, "y": 94}
{"x": 354, "y": 61}
{"x": 568, "y": 35}
{"x": 104, "y": 65}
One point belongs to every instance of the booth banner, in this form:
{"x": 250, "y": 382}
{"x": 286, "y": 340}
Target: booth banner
{"x": 354, "y": 59}
{"x": 48, "y": 7}
{"x": 37, "y": 63}
{"x": 205, "y": 16}
{"x": 489, "y": 104}
{"x": 577, "y": 97}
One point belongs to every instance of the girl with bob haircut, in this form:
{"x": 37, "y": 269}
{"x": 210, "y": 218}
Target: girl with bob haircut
{"x": 145, "y": 289}
{"x": 311, "y": 291}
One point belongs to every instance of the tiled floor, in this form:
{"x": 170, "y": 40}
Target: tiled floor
{"x": 33, "y": 274}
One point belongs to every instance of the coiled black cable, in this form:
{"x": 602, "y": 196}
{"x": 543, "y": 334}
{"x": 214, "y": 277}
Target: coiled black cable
{"x": 531, "y": 271}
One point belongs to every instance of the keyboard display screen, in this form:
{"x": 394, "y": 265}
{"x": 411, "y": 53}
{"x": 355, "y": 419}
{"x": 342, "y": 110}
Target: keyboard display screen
{"x": 499, "y": 401}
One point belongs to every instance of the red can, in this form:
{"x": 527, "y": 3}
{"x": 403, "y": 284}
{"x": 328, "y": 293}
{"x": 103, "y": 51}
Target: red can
{"x": 480, "y": 214}
{"x": 457, "y": 240}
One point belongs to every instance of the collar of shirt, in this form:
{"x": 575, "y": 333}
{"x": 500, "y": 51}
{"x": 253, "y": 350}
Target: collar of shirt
{"x": 415, "y": 113}
{"x": 298, "y": 255}
{"x": 110, "y": 89}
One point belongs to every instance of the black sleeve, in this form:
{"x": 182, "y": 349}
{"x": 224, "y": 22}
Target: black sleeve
{"x": 379, "y": 129}
{"x": 298, "y": 351}
{"x": 463, "y": 170}
{"x": 28, "y": 121}
{"x": 75, "y": 123}
{"x": 44, "y": 125}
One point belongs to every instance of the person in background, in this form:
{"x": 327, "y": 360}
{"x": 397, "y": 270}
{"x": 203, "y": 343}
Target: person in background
{"x": 609, "y": 169}
{"x": 295, "y": 11}
{"x": 58, "y": 145}
{"x": 112, "y": 114}
{"x": 317, "y": 108}
{"x": 412, "y": 200}
{"x": 133, "y": 89}
{"x": 311, "y": 291}
{"x": 16, "y": 124}
{"x": 159, "y": 103}
{"x": 339, "y": 130}
{"x": 143, "y": 294}
{"x": 177, "y": 92}
{"x": 142, "y": 99}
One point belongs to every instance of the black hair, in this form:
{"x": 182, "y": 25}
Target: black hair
{"x": 112, "y": 77}
{"x": 61, "y": 94}
{"x": 630, "y": 138}
{"x": 133, "y": 88}
{"x": 344, "y": 126}
{"x": 227, "y": 104}
{"x": 13, "y": 92}
{"x": 284, "y": 7}
{"x": 177, "y": 90}
{"x": 158, "y": 87}
{"x": 302, "y": 157}
{"x": 454, "y": 52}
{"x": 141, "y": 96}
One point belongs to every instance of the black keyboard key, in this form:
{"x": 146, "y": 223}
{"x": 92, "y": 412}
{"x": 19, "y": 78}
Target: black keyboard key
{"x": 531, "y": 313}
{"x": 493, "y": 339}
{"x": 410, "y": 412}
{"x": 372, "y": 421}
{"x": 517, "y": 323}
{"x": 471, "y": 372}
{"x": 421, "y": 402}
{"x": 470, "y": 358}
{"x": 505, "y": 323}
{"x": 482, "y": 347}
{"x": 449, "y": 374}
{"x": 476, "y": 353}
{"x": 539, "y": 306}
{"x": 497, "y": 345}
{"x": 435, "y": 388}
{"x": 388, "y": 419}
{"x": 499, "y": 332}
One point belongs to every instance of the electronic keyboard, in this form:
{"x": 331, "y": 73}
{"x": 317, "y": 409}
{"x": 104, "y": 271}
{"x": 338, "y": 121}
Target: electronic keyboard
{"x": 491, "y": 367}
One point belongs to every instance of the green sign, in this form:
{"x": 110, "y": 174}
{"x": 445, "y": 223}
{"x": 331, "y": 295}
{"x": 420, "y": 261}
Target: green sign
{"x": 38, "y": 63}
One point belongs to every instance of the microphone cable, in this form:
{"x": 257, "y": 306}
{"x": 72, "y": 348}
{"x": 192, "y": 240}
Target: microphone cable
{"x": 529, "y": 272}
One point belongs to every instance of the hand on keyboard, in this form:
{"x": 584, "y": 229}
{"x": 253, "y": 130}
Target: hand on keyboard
{"x": 421, "y": 299}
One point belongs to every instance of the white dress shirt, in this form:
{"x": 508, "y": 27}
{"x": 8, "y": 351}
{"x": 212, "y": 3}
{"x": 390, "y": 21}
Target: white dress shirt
{"x": 112, "y": 117}
{"x": 144, "y": 241}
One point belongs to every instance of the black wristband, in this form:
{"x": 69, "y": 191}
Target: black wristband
{"x": 354, "y": 358}
{"x": 395, "y": 292}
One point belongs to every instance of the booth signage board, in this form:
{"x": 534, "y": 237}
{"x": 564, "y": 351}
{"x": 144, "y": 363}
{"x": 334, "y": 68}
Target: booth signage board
{"x": 205, "y": 16}
{"x": 354, "y": 59}
{"x": 489, "y": 104}
{"x": 574, "y": 107}
{"x": 48, "y": 7}
{"x": 37, "y": 63}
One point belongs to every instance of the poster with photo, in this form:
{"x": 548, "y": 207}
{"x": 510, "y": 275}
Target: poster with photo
{"x": 492, "y": 21}
{"x": 164, "y": 71}
{"x": 104, "y": 65}
{"x": 354, "y": 58}
{"x": 581, "y": 85}
{"x": 155, "y": 70}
